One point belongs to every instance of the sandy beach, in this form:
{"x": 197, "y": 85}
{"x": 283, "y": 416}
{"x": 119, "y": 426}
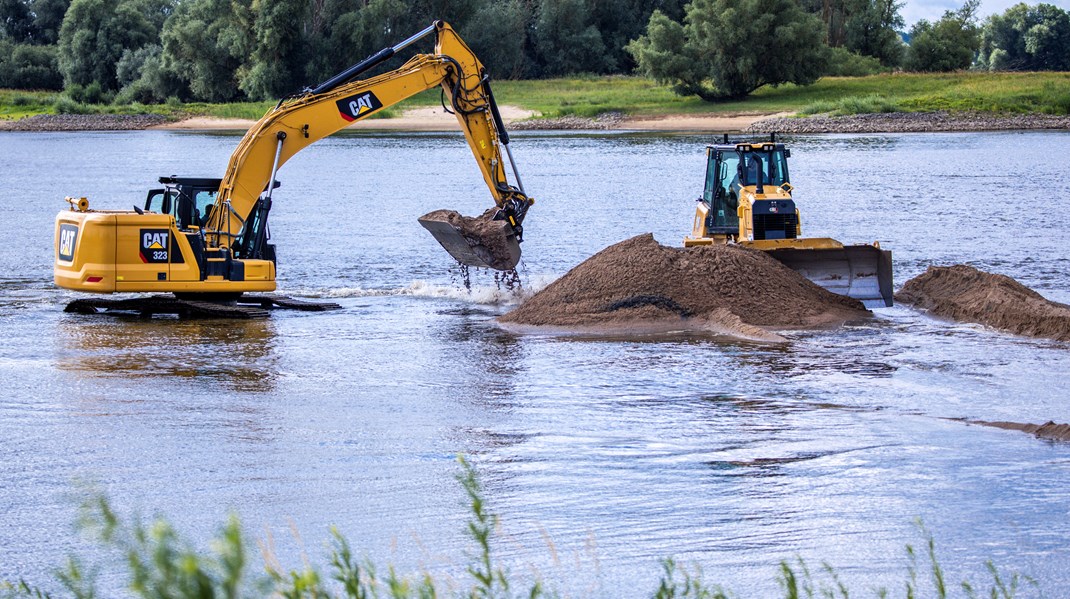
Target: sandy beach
{"x": 428, "y": 118}
{"x": 436, "y": 119}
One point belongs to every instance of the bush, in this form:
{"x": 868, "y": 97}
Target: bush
{"x": 871, "y": 104}
{"x": 23, "y": 66}
{"x": 89, "y": 94}
{"x": 64, "y": 105}
{"x": 844, "y": 63}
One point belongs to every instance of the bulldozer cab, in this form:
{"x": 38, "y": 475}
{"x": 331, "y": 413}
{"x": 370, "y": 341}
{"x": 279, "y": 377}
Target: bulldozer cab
{"x": 729, "y": 168}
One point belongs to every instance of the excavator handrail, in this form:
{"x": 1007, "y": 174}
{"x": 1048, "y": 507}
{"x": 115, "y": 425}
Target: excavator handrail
{"x": 302, "y": 119}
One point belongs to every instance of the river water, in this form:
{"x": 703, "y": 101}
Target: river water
{"x": 600, "y": 455}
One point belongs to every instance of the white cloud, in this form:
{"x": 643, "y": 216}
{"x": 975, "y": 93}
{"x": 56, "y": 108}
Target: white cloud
{"x": 915, "y": 10}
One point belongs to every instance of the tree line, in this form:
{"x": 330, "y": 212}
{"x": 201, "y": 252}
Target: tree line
{"x": 227, "y": 50}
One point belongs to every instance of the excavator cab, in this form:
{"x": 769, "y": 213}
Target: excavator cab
{"x": 188, "y": 199}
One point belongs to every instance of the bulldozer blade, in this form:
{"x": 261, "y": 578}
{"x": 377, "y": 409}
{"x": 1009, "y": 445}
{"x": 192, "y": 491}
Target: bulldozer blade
{"x": 481, "y": 242}
{"x": 863, "y": 272}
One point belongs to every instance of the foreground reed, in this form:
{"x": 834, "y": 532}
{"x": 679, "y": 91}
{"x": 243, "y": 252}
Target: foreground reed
{"x": 160, "y": 565}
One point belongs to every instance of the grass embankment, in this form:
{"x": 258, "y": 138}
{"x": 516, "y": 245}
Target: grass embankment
{"x": 1012, "y": 93}
{"x": 159, "y": 564}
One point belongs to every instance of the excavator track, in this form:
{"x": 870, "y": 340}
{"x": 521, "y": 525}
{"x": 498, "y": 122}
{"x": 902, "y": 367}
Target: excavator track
{"x": 245, "y": 307}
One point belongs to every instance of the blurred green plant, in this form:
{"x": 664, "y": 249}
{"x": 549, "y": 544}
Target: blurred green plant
{"x": 161, "y": 565}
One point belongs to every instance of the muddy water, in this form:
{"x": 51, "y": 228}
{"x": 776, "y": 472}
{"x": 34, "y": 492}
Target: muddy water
{"x": 601, "y": 455}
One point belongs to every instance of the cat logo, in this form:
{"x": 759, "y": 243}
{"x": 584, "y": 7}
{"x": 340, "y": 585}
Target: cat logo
{"x": 358, "y": 106}
{"x": 68, "y": 234}
{"x": 154, "y": 244}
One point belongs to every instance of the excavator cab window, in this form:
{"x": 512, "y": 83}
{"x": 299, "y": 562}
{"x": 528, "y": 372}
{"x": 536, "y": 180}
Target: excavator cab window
{"x": 161, "y": 201}
{"x": 203, "y": 201}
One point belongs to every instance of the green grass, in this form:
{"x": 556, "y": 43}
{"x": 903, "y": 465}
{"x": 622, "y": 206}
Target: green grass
{"x": 160, "y": 564}
{"x": 1014, "y": 93}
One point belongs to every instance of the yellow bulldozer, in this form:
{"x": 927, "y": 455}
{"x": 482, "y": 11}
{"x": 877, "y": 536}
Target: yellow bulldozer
{"x": 747, "y": 200}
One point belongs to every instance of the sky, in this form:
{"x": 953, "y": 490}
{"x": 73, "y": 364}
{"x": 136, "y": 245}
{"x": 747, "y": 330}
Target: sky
{"x": 916, "y": 10}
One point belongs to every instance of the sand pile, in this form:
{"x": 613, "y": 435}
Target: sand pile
{"x": 1049, "y": 430}
{"x": 639, "y": 284}
{"x": 966, "y": 294}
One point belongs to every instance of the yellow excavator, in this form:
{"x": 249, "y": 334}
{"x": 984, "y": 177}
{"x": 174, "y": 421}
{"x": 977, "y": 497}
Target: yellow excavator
{"x": 747, "y": 200}
{"x": 206, "y": 240}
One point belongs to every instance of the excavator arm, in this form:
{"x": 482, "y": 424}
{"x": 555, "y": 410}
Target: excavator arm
{"x": 301, "y": 120}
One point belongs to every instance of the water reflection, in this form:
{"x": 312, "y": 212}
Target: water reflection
{"x": 237, "y": 355}
{"x": 487, "y": 362}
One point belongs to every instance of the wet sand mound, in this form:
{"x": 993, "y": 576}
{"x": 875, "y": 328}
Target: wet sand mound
{"x": 1049, "y": 430}
{"x": 641, "y": 285}
{"x": 965, "y": 294}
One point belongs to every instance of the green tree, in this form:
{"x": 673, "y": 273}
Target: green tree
{"x": 497, "y": 33}
{"x": 205, "y": 43}
{"x": 47, "y": 19}
{"x": 1026, "y": 38}
{"x": 834, "y": 14}
{"x": 360, "y": 33}
{"x": 866, "y": 27}
{"x": 32, "y": 21}
{"x": 872, "y": 28}
{"x": 325, "y": 30}
{"x": 26, "y": 66}
{"x": 16, "y": 20}
{"x": 95, "y": 33}
{"x": 143, "y": 78}
{"x": 277, "y": 65}
{"x": 739, "y": 45}
{"x": 946, "y": 45}
{"x": 567, "y": 40}
{"x": 620, "y": 21}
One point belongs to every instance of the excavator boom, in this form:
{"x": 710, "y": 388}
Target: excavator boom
{"x": 338, "y": 102}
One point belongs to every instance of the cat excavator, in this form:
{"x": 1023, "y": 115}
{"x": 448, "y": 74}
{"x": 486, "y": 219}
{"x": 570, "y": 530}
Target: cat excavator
{"x": 747, "y": 200}
{"x": 206, "y": 241}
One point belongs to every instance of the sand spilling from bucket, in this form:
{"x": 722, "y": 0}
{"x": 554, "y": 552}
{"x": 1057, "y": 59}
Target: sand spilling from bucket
{"x": 1049, "y": 430}
{"x": 963, "y": 293}
{"x": 641, "y": 285}
{"x": 488, "y": 238}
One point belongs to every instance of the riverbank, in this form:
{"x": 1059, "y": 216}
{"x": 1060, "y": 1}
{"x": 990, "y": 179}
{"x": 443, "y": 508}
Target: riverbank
{"x": 518, "y": 119}
{"x": 908, "y": 122}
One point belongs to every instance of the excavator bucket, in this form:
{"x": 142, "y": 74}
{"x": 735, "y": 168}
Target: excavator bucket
{"x": 863, "y": 272}
{"x": 482, "y": 242}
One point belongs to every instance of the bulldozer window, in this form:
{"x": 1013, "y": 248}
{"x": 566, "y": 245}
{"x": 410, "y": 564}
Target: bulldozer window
{"x": 774, "y": 168}
{"x": 726, "y": 200}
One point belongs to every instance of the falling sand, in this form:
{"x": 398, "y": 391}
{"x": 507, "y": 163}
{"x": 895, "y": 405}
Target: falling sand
{"x": 639, "y": 285}
{"x": 965, "y": 294}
